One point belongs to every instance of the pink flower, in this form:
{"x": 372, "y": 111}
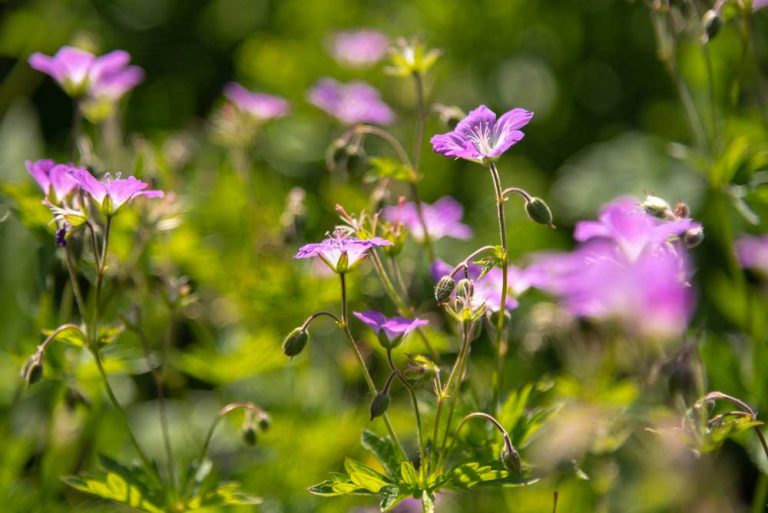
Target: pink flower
{"x": 443, "y": 219}
{"x": 56, "y": 180}
{"x": 752, "y": 252}
{"x": 480, "y": 137}
{"x": 110, "y": 194}
{"x": 356, "y": 102}
{"x": 340, "y": 252}
{"x": 259, "y": 105}
{"x": 359, "y": 49}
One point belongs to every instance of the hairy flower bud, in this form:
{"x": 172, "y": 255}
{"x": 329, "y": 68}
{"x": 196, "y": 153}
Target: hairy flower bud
{"x": 33, "y": 369}
{"x": 693, "y": 237}
{"x": 380, "y": 404}
{"x": 295, "y": 342}
{"x": 465, "y": 289}
{"x": 264, "y": 422}
{"x": 538, "y": 211}
{"x": 444, "y": 288}
{"x": 511, "y": 460}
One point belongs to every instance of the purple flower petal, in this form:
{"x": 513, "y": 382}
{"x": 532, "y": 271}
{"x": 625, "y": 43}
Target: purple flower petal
{"x": 55, "y": 180}
{"x": 393, "y": 328}
{"x": 480, "y": 136}
{"x": 331, "y": 250}
{"x": 752, "y": 252}
{"x": 356, "y": 102}
{"x": 259, "y": 105}
{"x": 443, "y": 219}
{"x": 360, "y": 49}
{"x": 117, "y": 191}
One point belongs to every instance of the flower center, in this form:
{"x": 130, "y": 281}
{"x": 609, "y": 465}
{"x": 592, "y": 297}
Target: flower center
{"x": 483, "y": 137}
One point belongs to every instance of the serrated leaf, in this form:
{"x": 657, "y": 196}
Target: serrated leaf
{"x": 471, "y": 475}
{"x": 225, "y": 494}
{"x": 383, "y": 450}
{"x": 365, "y": 477}
{"x": 119, "y": 486}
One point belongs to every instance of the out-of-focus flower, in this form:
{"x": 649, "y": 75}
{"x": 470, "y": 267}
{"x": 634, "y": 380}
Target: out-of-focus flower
{"x": 411, "y": 58}
{"x": 259, "y": 105}
{"x": 626, "y": 269}
{"x": 443, "y": 219}
{"x": 80, "y": 72}
{"x": 360, "y": 48}
{"x": 340, "y": 252}
{"x": 480, "y": 137}
{"x": 752, "y": 252}
{"x": 759, "y": 4}
{"x": 356, "y": 102}
{"x": 56, "y": 180}
{"x": 390, "y": 330}
{"x": 110, "y": 194}
{"x": 624, "y": 222}
{"x": 487, "y": 290}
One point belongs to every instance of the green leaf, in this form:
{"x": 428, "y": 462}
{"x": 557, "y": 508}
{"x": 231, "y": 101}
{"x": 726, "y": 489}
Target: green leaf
{"x": 385, "y": 167}
{"x": 470, "y": 475}
{"x": 365, "y": 477}
{"x": 383, "y": 450}
{"x": 126, "y": 485}
{"x": 108, "y": 333}
{"x": 339, "y": 484}
{"x": 71, "y": 335}
{"x": 225, "y": 494}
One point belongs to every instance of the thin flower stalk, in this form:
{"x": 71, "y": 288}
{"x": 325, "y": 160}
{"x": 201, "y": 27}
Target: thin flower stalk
{"x": 501, "y": 342}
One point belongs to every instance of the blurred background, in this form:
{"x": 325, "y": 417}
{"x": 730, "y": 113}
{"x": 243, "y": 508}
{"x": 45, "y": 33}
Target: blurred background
{"x": 607, "y": 122}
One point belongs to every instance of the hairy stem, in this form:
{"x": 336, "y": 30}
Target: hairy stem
{"x": 501, "y": 342}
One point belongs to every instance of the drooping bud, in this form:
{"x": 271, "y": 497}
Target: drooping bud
{"x": 418, "y": 368}
{"x": 250, "y": 437}
{"x": 33, "y": 369}
{"x": 356, "y": 159}
{"x": 449, "y": 115}
{"x": 380, "y": 404}
{"x": 465, "y": 290}
{"x": 693, "y": 237}
{"x": 511, "y": 460}
{"x": 264, "y": 422}
{"x": 337, "y": 155}
{"x": 444, "y": 288}
{"x": 295, "y": 342}
{"x": 712, "y": 25}
{"x": 539, "y": 211}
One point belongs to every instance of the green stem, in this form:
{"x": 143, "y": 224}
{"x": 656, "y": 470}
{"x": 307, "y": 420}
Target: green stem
{"x": 102, "y": 263}
{"x": 75, "y": 285}
{"x": 123, "y": 416}
{"x": 414, "y": 402}
{"x": 501, "y": 342}
{"x": 361, "y": 360}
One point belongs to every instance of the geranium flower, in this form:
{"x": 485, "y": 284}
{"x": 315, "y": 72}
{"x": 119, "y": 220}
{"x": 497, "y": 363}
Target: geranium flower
{"x": 624, "y": 222}
{"x": 80, "y": 72}
{"x": 110, "y": 194}
{"x": 480, "y": 137}
{"x": 390, "y": 330}
{"x": 259, "y": 105}
{"x": 360, "y": 48}
{"x": 340, "y": 252}
{"x": 56, "y": 180}
{"x": 356, "y": 102}
{"x": 443, "y": 219}
{"x": 752, "y": 252}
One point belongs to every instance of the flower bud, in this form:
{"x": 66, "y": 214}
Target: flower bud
{"x": 444, "y": 288}
{"x": 538, "y": 211}
{"x": 338, "y": 154}
{"x": 264, "y": 422}
{"x": 356, "y": 159}
{"x": 712, "y": 25}
{"x": 33, "y": 369}
{"x": 295, "y": 342}
{"x": 61, "y": 237}
{"x": 449, "y": 115}
{"x": 656, "y": 207}
{"x": 418, "y": 368}
{"x": 465, "y": 289}
{"x": 250, "y": 437}
{"x": 511, "y": 460}
{"x": 379, "y": 405}
{"x": 693, "y": 237}
{"x": 73, "y": 397}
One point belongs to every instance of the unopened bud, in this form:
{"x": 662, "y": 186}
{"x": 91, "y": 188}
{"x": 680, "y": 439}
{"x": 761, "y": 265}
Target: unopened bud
{"x": 338, "y": 154}
{"x": 511, "y": 460}
{"x": 356, "y": 159}
{"x": 73, "y": 397}
{"x": 250, "y": 437}
{"x": 444, "y": 288}
{"x": 295, "y": 342}
{"x": 449, "y": 115}
{"x": 465, "y": 289}
{"x": 33, "y": 369}
{"x": 712, "y": 25}
{"x": 538, "y": 211}
{"x": 693, "y": 236}
{"x": 379, "y": 405}
{"x": 264, "y": 422}
{"x": 656, "y": 207}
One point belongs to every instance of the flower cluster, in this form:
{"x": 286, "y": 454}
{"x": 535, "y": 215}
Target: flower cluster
{"x": 630, "y": 266}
